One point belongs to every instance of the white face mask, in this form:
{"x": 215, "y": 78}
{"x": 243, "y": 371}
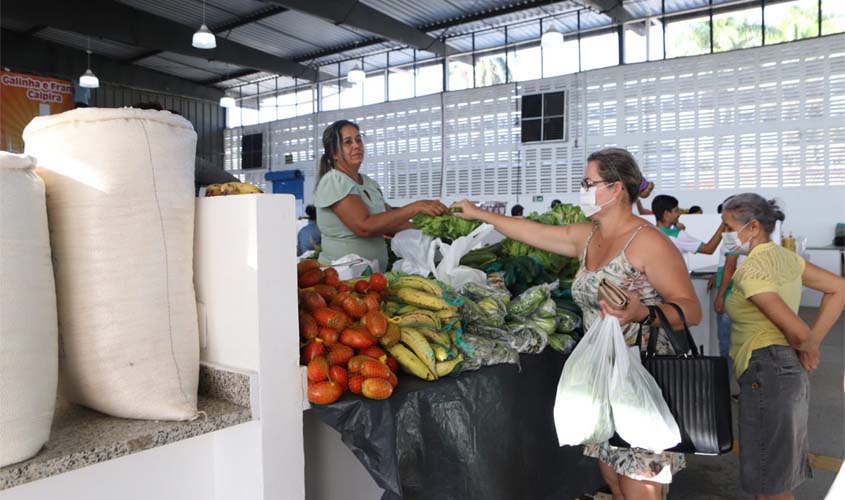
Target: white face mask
{"x": 733, "y": 244}
{"x": 587, "y": 200}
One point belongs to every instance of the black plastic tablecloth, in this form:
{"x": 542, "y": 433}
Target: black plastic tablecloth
{"x": 487, "y": 434}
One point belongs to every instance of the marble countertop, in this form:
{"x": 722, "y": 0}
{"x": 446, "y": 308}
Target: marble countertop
{"x": 80, "y": 437}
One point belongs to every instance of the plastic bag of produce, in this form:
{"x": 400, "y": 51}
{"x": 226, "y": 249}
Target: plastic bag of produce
{"x": 482, "y": 351}
{"x": 640, "y": 413}
{"x": 567, "y": 321}
{"x": 28, "y": 323}
{"x": 492, "y": 313}
{"x": 415, "y": 252}
{"x": 562, "y": 343}
{"x": 450, "y": 270}
{"x": 479, "y": 291}
{"x": 530, "y": 300}
{"x": 582, "y": 406}
{"x": 527, "y": 338}
{"x": 120, "y": 202}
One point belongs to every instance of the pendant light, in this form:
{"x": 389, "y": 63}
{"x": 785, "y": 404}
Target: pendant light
{"x": 356, "y": 75}
{"x": 552, "y": 38}
{"x": 204, "y": 38}
{"x": 88, "y": 79}
{"x": 227, "y": 101}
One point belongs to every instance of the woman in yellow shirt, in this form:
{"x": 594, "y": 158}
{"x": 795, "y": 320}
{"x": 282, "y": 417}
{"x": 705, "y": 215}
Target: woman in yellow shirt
{"x": 772, "y": 347}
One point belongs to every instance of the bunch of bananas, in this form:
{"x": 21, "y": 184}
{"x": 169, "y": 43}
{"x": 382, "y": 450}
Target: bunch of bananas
{"x": 427, "y": 326}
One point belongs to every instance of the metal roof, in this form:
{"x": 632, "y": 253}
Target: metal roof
{"x": 269, "y": 27}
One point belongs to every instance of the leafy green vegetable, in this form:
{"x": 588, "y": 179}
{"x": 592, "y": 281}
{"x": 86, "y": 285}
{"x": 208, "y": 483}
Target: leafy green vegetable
{"x": 561, "y": 215}
{"x": 447, "y": 227}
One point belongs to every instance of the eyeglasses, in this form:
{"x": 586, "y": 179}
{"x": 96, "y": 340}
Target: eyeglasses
{"x": 588, "y": 183}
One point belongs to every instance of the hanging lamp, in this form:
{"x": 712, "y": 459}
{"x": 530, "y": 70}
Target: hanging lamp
{"x": 204, "y": 38}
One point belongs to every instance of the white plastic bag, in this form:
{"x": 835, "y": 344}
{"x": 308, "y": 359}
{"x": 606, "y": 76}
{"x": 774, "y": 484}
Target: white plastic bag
{"x": 640, "y": 414}
{"x": 415, "y": 250}
{"x": 450, "y": 270}
{"x": 352, "y": 266}
{"x": 582, "y": 407}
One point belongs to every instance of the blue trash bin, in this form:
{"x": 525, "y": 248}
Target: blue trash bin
{"x": 287, "y": 182}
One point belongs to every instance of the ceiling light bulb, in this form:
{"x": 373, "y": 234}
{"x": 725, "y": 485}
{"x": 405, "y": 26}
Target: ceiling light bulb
{"x": 227, "y": 102}
{"x": 356, "y": 75}
{"x": 204, "y": 38}
{"x": 551, "y": 38}
{"x": 89, "y": 80}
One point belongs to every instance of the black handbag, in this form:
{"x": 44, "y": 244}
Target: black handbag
{"x": 696, "y": 389}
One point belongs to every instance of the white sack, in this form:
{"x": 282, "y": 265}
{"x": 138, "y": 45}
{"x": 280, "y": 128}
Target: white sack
{"x": 28, "y": 325}
{"x": 120, "y": 200}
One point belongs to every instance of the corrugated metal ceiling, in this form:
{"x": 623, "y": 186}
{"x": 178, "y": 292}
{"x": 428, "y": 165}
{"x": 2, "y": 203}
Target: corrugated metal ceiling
{"x": 295, "y": 35}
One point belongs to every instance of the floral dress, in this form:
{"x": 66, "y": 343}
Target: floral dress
{"x": 635, "y": 463}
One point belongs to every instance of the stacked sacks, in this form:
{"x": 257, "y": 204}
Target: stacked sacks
{"x": 28, "y": 338}
{"x": 120, "y": 200}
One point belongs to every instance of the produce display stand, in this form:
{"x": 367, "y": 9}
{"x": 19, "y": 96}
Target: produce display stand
{"x": 487, "y": 434}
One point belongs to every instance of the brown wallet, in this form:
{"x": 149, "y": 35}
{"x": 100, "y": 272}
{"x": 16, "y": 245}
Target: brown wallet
{"x": 612, "y": 294}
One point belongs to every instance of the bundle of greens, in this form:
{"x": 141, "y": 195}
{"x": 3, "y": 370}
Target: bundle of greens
{"x": 554, "y": 264}
{"x": 446, "y": 227}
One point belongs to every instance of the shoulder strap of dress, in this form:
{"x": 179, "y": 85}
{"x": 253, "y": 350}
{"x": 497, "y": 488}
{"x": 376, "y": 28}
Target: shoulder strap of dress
{"x": 631, "y": 239}
{"x": 587, "y": 245}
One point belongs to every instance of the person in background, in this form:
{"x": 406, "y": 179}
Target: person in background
{"x": 772, "y": 347}
{"x": 630, "y": 253}
{"x": 517, "y": 210}
{"x": 722, "y": 281}
{"x": 667, "y": 213}
{"x": 695, "y": 209}
{"x": 351, "y": 213}
{"x": 646, "y": 187}
{"x": 555, "y": 203}
{"x": 308, "y": 237}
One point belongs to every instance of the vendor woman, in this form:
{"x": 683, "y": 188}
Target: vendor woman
{"x": 351, "y": 213}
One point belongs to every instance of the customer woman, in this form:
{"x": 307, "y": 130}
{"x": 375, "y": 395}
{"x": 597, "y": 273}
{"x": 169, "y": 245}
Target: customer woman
{"x": 772, "y": 347}
{"x": 351, "y": 213}
{"x": 632, "y": 254}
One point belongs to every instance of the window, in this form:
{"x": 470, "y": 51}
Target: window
{"x": 351, "y": 94}
{"x": 689, "y": 37}
{"x": 329, "y": 96}
{"x": 429, "y": 79}
{"x": 561, "y": 59}
{"x": 305, "y": 101}
{"x": 374, "y": 88}
{"x": 267, "y": 110}
{"x": 490, "y": 69}
{"x": 636, "y": 42}
{"x": 543, "y": 117}
{"x": 643, "y": 41}
{"x": 738, "y": 29}
{"x": 599, "y": 51}
{"x": 400, "y": 84}
{"x": 251, "y": 152}
{"x": 525, "y": 63}
{"x": 460, "y": 72}
{"x": 833, "y": 16}
{"x": 789, "y": 21}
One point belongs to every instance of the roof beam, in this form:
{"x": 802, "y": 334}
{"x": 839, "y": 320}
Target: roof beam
{"x": 34, "y": 55}
{"x": 121, "y": 23}
{"x": 252, "y": 17}
{"x": 358, "y": 15}
{"x": 439, "y": 25}
{"x": 611, "y": 8}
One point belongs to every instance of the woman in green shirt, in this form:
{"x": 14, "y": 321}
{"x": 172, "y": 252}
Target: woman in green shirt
{"x": 351, "y": 213}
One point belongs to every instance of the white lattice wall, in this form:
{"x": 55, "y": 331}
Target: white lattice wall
{"x": 760, "y": 119}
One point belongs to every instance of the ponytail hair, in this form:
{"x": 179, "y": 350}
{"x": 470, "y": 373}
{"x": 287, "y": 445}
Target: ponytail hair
{"x": 751, "y": 206}
{"x": 332, "y": 146}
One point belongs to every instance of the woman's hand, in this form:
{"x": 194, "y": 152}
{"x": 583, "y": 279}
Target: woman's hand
{"x": 467, "y": 211}
{"x": 810, "y": 358}
{"x": 719, "y": 305}
{"x": 633, "y": 313}
{"x": 430, "y": 207}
